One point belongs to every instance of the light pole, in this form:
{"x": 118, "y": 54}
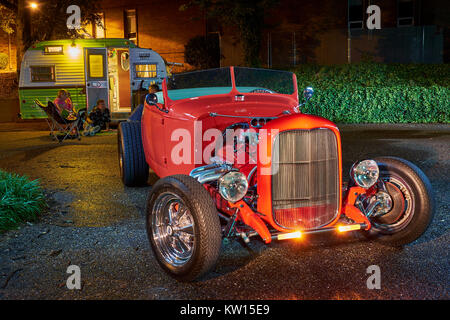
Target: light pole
{"x": 32, "y": 6}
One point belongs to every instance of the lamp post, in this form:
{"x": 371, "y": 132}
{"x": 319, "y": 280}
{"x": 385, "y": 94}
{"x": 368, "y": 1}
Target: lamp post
{"x": 23, "y": 28}
{"x": 32, "y": 6}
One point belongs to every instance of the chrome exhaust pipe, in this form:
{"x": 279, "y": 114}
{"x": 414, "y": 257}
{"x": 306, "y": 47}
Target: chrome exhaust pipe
{"x": 200, "y": 170}
{"x": 210, "y": 172}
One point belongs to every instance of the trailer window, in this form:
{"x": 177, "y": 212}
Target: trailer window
{"x": 53, "y": 50}
{"x": 42, "y": 73}
{"x": 145, "y": 70}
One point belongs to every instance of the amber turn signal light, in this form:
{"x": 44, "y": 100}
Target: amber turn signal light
{"x": 350, "y": 227}
{"x": 292, "y": 235}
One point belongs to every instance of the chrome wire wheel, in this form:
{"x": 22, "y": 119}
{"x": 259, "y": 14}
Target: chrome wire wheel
{"x": 412, "y": 203}
{"x": 403, "y": 207}
{"x": 173, "y": 229}
{"x": 183, "y": 227}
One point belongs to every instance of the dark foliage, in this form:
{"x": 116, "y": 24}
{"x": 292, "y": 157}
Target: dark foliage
{"x": 202, "y": 52}
{"x": 246, "y": 17}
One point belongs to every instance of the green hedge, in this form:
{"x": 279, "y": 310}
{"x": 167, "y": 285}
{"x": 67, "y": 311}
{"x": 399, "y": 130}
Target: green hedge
{"x": 378, "y": 93}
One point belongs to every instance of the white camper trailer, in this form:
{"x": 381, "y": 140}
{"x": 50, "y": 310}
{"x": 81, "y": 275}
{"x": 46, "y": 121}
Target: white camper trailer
{"x": 114, "y": 70}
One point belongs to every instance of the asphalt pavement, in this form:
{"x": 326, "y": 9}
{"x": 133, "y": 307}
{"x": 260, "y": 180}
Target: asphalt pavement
{"x": 93, "y": 221}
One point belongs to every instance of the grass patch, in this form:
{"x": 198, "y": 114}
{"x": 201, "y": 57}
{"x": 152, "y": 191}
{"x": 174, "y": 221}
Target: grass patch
{"x": 21, "y": 200}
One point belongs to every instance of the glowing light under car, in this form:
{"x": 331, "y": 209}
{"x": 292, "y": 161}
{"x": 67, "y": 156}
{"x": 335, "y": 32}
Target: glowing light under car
{"x": 351, "y": 227}
{"x": 292, "y": 235}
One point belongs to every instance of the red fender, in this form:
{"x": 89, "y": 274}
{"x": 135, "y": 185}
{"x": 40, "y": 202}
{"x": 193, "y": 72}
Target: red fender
{"x": 349, "y": 208}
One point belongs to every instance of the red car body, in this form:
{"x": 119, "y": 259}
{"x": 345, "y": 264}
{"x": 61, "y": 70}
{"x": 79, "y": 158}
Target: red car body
{"x": 288, "y": 182}
{"x": 158, "y": 124}
{"x": 183, "y": 113}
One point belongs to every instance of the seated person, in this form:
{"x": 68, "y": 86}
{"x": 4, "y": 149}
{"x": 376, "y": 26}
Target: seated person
{"x": 64, "y": 105}
{"x": 137, "y": 113}
{"x": 153, "y": 88}
{"x": 98, "y": 119}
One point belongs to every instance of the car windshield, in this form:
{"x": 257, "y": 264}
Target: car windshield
{"x": 218, "y": 81}
{"x": 263, "y": 80}
{"x": 199, "y": 83}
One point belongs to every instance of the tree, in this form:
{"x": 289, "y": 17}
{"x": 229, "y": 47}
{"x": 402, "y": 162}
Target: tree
{"x": 246, "y": 16}
{"x": 46, "y": 22}
{"x": 7, "y": 20}
{"x": 7, "y": 24}
{"x": 202, "y": 52}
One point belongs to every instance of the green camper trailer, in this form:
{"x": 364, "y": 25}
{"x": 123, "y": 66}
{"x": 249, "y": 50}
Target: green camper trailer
{"x": 114, "y": 70}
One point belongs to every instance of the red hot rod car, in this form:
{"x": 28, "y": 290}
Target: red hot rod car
{"x": 237, "y": 158}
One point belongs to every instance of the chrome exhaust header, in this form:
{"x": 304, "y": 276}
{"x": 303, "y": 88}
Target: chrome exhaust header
{"x": 211, "y": 172}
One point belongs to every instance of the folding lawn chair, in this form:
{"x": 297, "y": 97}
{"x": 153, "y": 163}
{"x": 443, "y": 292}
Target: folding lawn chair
{"x": 58, "y": 124}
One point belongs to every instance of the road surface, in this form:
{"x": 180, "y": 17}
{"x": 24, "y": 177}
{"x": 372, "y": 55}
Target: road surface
{"x": 97, "y": 223}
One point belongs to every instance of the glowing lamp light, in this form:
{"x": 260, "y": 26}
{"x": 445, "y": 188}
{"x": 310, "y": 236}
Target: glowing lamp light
{"x": 33, "y": 5}
{"x": 292, "y": 235}
{"x": 74, "y": 51}
{"x": 349, "y": 228}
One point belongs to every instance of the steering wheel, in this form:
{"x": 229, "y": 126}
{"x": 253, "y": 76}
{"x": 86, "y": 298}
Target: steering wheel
{"x": 261, "y": 91}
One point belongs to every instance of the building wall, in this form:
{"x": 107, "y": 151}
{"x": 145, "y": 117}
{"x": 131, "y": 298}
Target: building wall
{"x": 9, "y": 102}
{"x": 4, "y": 48}
{"x": 301, "y": 31}
{"x": 161, "y": 26}
{"x": 319, "y": 26}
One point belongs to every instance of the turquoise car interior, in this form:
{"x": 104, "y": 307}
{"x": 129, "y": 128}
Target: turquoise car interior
{"x": 180, "y": 94}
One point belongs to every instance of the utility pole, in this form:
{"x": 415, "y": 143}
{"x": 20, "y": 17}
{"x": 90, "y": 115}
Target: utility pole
{"x": 349, "y": 36}
{"x": 349, "y": 46}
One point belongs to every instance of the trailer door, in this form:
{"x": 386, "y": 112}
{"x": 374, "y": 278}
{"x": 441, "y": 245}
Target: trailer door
{"x": 96, "y": 76}
{"x": 146, "y": 67}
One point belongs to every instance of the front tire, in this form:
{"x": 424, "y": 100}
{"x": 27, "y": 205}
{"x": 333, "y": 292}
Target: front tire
{"x": 413, "y": 203}
{"x": 183, "y": 227}
{"x": 134, "y": 169}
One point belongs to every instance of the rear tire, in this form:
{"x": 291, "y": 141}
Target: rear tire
{"x": 183, "y": 227}
{"x": 413, "y": 203}
{"x": 134, "y": 169}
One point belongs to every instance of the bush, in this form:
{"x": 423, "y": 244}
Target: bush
{"x": 202, "y": 52}
{"x": 378, "y": 93}
{"x": 21, "y": 200}
{"x": 4, "y": 59}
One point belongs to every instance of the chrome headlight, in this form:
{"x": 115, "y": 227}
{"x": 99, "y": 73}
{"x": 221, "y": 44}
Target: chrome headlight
{"x": 233, "y": 186}
{"x": 365, "y": 173}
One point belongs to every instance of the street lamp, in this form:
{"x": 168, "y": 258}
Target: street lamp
{"x": 33, "y": 5}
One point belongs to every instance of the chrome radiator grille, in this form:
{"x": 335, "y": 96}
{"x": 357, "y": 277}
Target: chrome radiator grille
{"x": 305, "y": 178}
